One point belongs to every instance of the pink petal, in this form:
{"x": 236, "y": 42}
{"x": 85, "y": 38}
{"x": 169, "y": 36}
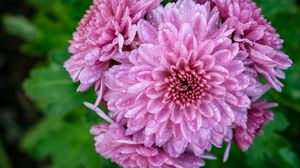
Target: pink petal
{"x": 155, "y": 106}
{"x": 147, "y": 33}
{"x": 136, "y": 88}
{"x": 177, "y": 115}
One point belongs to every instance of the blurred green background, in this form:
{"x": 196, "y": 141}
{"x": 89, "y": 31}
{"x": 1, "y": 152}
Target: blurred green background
{"x": 43, "y": 122}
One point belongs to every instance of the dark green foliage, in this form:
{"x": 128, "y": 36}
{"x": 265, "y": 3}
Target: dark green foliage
{"x": 4, "y": 161}
{"x": 63, "y": 134}
{"x": 272, "y": 147}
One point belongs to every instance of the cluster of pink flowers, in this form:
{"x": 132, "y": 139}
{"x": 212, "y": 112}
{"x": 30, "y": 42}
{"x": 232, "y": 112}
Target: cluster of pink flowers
{"x": 177, "y": 79}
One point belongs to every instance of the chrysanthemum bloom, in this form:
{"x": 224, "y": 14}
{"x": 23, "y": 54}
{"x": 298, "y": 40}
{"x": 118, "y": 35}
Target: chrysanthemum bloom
{"x": 112, "y": 143}
{"x": 108, "y": 28}
{"x": 258, "y": 116}
{"x": 185, "y": 87}
{"x": 257, "y": 37}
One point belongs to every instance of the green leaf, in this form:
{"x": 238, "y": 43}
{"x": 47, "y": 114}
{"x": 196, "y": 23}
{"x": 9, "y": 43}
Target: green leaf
{"x": 236, "y": 158}
{"x": 270, "y": 7}
{"x": 289, "y": 156}
{"x": 19, "y": 26}
{"x": 41, "y": 131}
{"x": 290, "y": 32}
{"x": 53, "y": 90}
{"x": 59, "y": 56}
{"x": 56, "y": 20}
{"x": 67, "y": 144}
{"x": 267, "y": 149}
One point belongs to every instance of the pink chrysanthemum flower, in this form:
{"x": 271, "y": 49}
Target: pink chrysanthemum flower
{"x": 185, "y": 87}
{"x": 108, "y": 27}
{"x": 112, "y": 143}
{"x": 257, "y": 37}
{"x": 258, "y": 116}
